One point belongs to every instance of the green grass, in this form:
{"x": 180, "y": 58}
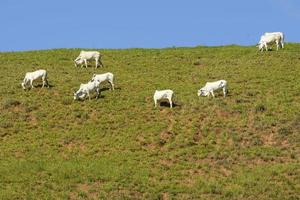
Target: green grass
{"x": 244, "y": 146}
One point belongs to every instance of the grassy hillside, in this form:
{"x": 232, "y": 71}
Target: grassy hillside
{"x": 244, "y": 146}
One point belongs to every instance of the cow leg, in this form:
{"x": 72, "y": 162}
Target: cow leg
{"x": 24, "y": 83}
{"x": 96, "y": 63}
{"x": 266, "y": 46}
{"x": 155, "y": 103}
{"x": 85, "y": 62}
{"x": 277, "y": 45}
{"x": 100, "y": 62}
{"x": 212, "y": 94}
{"x": 224, "y": 91}
{"x": 31, "y": 83}
{"x": 112, "y": 87}
{"x": 88, "y": 93}
{"x": 98, "y": 92}
{"x": 47, "y": 82}
{"x": 171, "y": 103}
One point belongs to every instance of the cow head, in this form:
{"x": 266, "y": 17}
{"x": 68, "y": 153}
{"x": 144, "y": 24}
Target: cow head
{"x": 202, "y": 92}
{"x": 79, "y": 95}
{"x": 78, "y": 61}
{"x": 260, "y": 46}
{"x": 23, "y": 84}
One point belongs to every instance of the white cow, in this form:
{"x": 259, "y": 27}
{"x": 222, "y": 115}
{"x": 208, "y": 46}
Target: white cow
{"x": 163, "y": 94}
{"x": 85, "y": 89}
{"x": 281, "y": 36}
{"x": 85, "y": 56}
{"x": 270, "y": 38}
{"x": 210, "y": 87}
{"x": 109, "y": 77}
{"x": 31, "y": 76}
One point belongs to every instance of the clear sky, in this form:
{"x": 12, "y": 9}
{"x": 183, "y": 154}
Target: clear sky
{"x": 46, "y": 24}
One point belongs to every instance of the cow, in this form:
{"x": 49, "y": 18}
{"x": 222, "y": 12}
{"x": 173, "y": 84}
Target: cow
{"x": 163, "y": 94}
{"x": 31, "y": 76}
{"x": 270, "y": 38}
{"x": 85, "y": 56}
{"x": 280, "y": 34}
{"x": 109, "y": 77}
{"x": 85, "y": 89}
{"x": 210, "y": 87}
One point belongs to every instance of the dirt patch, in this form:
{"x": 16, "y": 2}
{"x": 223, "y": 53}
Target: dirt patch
{"x": 225, "y": 171}
{"x": 18, "y": 109}
{"x": 73, "y": 146}
{"x": 165, "y": 137}
{"x": 82, "y": 147}
{"x": 164, "y": 196}
{"x": 125, "y": 194}
{"x": 93, "y": 115}
{"x": 285, "y": 144}
{"x": 166, "y": 162}
{"x": 268, "y": 139}
{"x": 225, "y": 114}
{"x": 88, "y": 191}
{"x": 70, "y": 146}
{"x": 56, "y": 94}
{"x": 19, "y": 154}
{"x": 32, "y": 119}
{"x": 145, "y": 144}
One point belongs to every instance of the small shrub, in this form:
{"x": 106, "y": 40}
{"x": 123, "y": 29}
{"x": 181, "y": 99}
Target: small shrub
{"x": 31, "y": 108}
{"x": 257, "y": 141}
{"x": 285, "y": 131}
{"x": 293, "y": 156}
{"x": 197, "y": 62}
{"x": 260, "y": 108}
{"x": 67, "y": 102}
{"x": 6, "y": 125}
{"x": 251, "y": 94}
{"x": 82, "y": 194}
{"x": 10, "y": 103}
{"x": 81, "y": 115}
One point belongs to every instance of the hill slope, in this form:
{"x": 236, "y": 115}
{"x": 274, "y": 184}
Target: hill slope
{"x": 244, "y": 146}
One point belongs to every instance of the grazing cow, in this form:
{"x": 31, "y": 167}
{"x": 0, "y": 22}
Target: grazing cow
{"x": 163, "y": 94}
{"x": 271, "y": 38}
{"x": 85, "y": 89}
{"x": 109, "y": 77}
{"x": 85, "y": 56}
{"x": 210, "y": 87}
{"x": 31, "y": 76}
{"x": 281, "y": 36}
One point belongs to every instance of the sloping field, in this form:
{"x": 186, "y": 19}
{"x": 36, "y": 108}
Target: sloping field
{"x": 244, "y": 146}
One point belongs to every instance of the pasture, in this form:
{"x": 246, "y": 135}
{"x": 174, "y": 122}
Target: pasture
{"x": 244, "y": 146}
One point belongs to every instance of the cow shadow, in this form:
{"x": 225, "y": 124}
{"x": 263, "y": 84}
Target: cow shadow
{"x": 167, "y": 104}
{"x": 108, "y": 88}
{"x": 104, "y": 89}
{"x": 93, "y": 98}
{"x": 40, "y": 85}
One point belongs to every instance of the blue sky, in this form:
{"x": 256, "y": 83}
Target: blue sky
{"x": 46, "y": 24}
